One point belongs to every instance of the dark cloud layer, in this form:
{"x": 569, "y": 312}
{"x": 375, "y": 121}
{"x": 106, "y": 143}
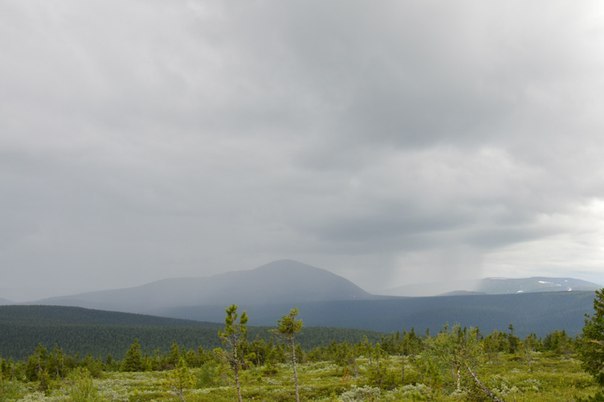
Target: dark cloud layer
{"x": 389, "y": 142}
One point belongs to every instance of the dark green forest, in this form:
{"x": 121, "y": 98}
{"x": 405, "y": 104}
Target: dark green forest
{"x": 80, "y": 331}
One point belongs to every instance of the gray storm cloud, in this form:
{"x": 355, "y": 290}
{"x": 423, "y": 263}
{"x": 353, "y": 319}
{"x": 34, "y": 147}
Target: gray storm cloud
{"x": 389, "y": 142}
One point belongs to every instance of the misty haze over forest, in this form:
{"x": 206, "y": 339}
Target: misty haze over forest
{"x": 391, "y": 144}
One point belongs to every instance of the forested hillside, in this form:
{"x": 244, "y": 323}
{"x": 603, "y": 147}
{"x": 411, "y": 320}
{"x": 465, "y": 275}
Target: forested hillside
{"x": 38, "y": 315}
{"x": 538, "y": 313}
{"x": 101, "y": 333}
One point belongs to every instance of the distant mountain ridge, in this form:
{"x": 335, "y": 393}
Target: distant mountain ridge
{"x": 494, "y": 286}
{"x": 4, "y": 302}
{"x": 279, "y": 282}
{"x": 534, "y": 284}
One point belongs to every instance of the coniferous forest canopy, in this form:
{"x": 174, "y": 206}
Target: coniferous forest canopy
{"x": 101, "y": 333}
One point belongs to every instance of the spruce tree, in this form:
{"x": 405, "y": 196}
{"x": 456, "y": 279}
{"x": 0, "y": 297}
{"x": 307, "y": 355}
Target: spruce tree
{"x": 288, "y": 326}
{"x": 134, "y": 358}
{"x": 234, "y": 339}
{"x": 591, "y": 341}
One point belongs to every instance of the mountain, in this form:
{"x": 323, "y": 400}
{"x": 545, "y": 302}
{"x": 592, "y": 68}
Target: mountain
{"x": 493, "y": 286}
{"x": 534, "y": 284}
{"x": 279, "y": 282}
{"x": 4, "y": 302}
{"x": 99, "y": 333}
{"x": 325, "y": 299}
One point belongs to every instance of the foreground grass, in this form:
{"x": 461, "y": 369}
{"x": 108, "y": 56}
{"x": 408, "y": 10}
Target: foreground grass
{"x": 542, "y": 378}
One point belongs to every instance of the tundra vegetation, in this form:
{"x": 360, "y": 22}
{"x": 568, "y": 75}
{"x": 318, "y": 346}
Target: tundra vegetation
{"x": 455, "y": 364}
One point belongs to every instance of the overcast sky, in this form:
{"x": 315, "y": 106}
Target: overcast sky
{"x": 390, "y": 142}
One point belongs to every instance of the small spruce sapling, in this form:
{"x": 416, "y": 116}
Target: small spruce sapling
{"x": 180, "y": 379}
{"x": 288, "y": 326}
{"x": 234, "y": 338}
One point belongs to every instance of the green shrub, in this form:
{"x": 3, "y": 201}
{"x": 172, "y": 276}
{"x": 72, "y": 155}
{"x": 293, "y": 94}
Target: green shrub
{"x": 82, "y": 388}
{"x": 10, "y": 390}
{"x": 212, "y": 374}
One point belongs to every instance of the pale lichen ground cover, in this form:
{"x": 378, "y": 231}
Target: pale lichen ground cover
{"x": 546, "y": 379}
